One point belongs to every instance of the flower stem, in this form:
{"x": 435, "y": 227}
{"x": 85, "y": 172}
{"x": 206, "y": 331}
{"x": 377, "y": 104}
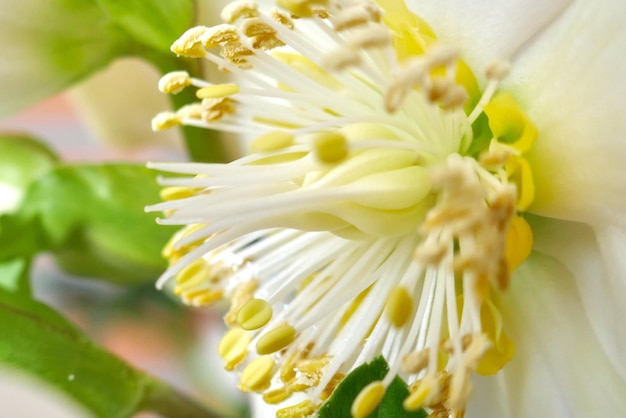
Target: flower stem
{"x": 168, "y": 402}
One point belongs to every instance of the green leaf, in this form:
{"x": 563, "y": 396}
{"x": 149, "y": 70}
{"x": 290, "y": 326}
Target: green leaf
{"x": 340, "y": 403}
{"x": 36, "y": 339}
{"x": 22, "y": 160}
{"x": 156, "y": 24}
{"x": 92, "y": 218}
{"x": 48, "y": 45}
{"x": 14, "y": 276}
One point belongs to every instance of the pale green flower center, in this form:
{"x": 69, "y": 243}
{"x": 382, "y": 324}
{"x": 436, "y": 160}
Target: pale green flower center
{"x": 377, "y": 211}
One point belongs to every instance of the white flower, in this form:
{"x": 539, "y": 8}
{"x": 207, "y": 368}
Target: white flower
{"x": 387, "y": 198}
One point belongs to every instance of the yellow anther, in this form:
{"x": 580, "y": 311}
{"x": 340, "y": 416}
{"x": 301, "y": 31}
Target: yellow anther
{"x": 288, "y": 368}
{"x": 399, "y": 306}
{"x": 233, "y": 348}
{"x": 301, "y": 8}
{"x": 368, "y": 399}
{"x": 176, "y": 192}
{"x": 265, "y": 42}
{"x": 217, "y": 91}
{"x": 276, "y": 339}
{"x": 239, "y": 9}
{"x": 190, "y": 111}
{"x": 165, "y": 120}
{"x": 272, "y": 141}
{"x": 303, "y": 409}
{"x": 419, "y": 395}
{"x": 430, "y": 253}
{"x": 215, "y": 109}
{"x": 237, "y": 53}
{"x": 202, "y": 298}
{"x": 190, "y": 43}
{"x": 174, "y": 82}
{"x": 195, "y": 273}
{"x": 277, "y": 395}
{"x": 254, "y": 314}
{"x": 219, "y": 34}
{"x": 256, "y": 376}
{"x": 330, "y": 147}
{"x": 454, "y": 98}
{"x": 441, "y": 55}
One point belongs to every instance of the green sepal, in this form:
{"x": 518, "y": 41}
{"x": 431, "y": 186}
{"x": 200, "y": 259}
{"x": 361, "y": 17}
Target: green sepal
{"x": 156, "y": 24}
{"x": 340, "y": 403}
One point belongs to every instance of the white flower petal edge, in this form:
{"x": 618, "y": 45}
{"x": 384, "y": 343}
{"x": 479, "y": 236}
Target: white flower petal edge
{"x": 571, "y": 81}
{"x": 599, "y": 270}
{"x": 484, "y": 30}
{"x": 560, "y": 368}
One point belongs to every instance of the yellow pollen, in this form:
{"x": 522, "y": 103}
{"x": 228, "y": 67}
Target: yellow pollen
{"x": 165, "y": 120}
{"x": 174, "y": 82}
{"x": 272, "y": 141}
{"x": 239, "y": 9}
{"x": 330, "y": 147}
{"x": 301, "y": 8}
{"x": 217, "y": 91}
{"x": 256, "y": 376}
{"x": 282, "y": 18}
{"x": 254, "y": 314}
{"x": 190, "y": 43}
{"x": 420, "y": 394}
{"x": 220, "y": 34}
{"x": 399, "y": 306}
{"x": 255, "y": 27}
{"x": 233, "y": 347}
{"x": 301, "y": 410}
{"x": 276, "y": 339}
{"x": 368, "y": 399}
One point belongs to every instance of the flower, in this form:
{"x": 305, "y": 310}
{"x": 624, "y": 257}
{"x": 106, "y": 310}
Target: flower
{"x": 389, "y": 197}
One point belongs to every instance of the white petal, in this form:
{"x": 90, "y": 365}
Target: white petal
{"x": 571, "y": 81}
{"x": 485, "y": 30}
{"x": 23, "y": 396}
{"x": 599, "y": 268}
{"x": 559, "y": 369}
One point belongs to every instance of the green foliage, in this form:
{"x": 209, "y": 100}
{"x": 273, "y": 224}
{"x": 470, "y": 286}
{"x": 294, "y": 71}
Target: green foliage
{"x": 91, "y": 217}
{"x": 339, "y": 404}
{"x": 156, "y": 24}
{"x": 35, "y": 339}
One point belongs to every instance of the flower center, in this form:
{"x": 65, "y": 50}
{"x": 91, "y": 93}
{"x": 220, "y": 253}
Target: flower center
{"x": 377, "y": 214}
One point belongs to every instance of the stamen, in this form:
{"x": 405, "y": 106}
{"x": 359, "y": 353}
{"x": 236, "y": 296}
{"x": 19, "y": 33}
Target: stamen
{"x": 330, "y": 147}
{"x": 256, "y": 376}
{"x": 233, "y": 348}
{"x": 217, "y": 91}
{"x": 174, "y": 82}
{"x": 276, "y": 339}
{"x": 368, "y": 399}
{"x": 165, "y": 120}
{"x": 239, "y": 9}
{"x": 254, "y": 314}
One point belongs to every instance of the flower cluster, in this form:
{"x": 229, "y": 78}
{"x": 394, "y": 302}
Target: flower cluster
{"x": 378, "y": 213}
